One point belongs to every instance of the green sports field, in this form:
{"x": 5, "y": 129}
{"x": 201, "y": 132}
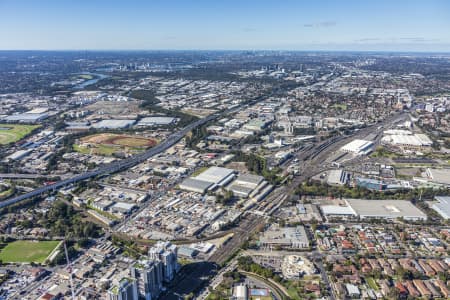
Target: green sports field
{"x": 27, "y": 251}
{"x": 10, "y": 133}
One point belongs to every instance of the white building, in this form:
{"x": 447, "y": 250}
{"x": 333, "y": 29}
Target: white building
{"x": 240, "y": 292}
{"x": 113, "y": 124}
{"x": 168, "y": 255}
{"x": 405, "y": 138}
{"x": 442, "y": 206}
{"x": 358, "y": 147}
{"x": 209, "y": 180}
{"x": 352, "y": 291}
{"x": 337, "y": 177}
{"x": 440, "y": 176}
{"x": 156, "y": 121}
{"x": 386, "y": 209}
{"x": 337, "y": 211}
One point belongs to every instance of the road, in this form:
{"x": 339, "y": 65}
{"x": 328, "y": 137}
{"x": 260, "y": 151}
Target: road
{"x": 318, "y": 260}
{"x": 128, "y": 162}
{"x": 218, "y": 278}
{"x": 312, "y": 160}
{"x": 114, "y": 166}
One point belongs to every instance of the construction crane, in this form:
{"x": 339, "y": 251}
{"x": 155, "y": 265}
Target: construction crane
{"x": 69, "y": 269}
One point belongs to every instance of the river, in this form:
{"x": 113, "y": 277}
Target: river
{"x": 94, "y": 80}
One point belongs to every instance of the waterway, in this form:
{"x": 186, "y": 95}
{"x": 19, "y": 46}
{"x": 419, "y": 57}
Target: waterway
{"x": 92, "y": 81}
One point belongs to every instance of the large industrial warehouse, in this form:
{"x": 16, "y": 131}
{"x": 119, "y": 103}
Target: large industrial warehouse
{"x": 113, "y": 124}
{"x": 217, "y": 176}
{"x": 386, "y": 209}
{"x": 156, "y": 121}
{"x": 358, "y": 147}
{"x": 405, "y": 138}
{"x": 439, "y": 176}
{"x": 442, "y": 206}
{"x": 244, "y": 186}
{"x": 208, "y": 180}
{"x": 195, "y": 185}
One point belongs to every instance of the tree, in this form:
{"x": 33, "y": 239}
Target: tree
{"x": 83, "y": 242}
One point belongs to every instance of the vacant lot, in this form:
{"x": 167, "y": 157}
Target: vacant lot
{"x": 27, "y": 251}
{"x": 10, "y": 133}
{"x": 108, "y": 143}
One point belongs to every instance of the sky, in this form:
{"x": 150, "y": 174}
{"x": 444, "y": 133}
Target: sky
{"x": 377, "y": 25}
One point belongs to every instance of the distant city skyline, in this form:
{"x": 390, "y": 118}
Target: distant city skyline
{"x": 417, "y": 26}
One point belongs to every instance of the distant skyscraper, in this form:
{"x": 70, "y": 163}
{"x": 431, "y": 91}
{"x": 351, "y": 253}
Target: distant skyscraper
{"x": 125, "y": 290}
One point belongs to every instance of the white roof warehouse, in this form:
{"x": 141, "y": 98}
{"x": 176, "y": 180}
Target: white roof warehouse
{"x": 208, "y": 180}
{"x": 358, "y": 147}
{"x": 386, "y": 209}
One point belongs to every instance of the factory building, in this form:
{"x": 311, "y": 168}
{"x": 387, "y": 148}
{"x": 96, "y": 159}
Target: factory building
{"x": 27, "y": 117}
{"x": 377, "y": 209}
{"x": 113, "y": 124}
{"x": 440, "y": 176}
{"x": 156, "y": 121}
{"x": 337, "y": 177}
{"x": 208, "y": 180}
{"x": 123, "y": 207}
{"x": 406, "y": 139}
{"x": 246, "y": 184}
{"x": 195, "y": 185}
{"x": 337, "y": 211}
{"x": 358, "y": 147}
{"x": 217, "y": 176}
{"x": 442, "y": 206}
{"x": 386, "y": 209}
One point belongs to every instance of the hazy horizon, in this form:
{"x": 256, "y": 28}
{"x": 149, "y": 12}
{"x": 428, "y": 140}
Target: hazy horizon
{"x": 400, "y": 26}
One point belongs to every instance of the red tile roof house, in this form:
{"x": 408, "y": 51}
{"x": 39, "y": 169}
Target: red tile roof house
{"x": 401, "y": 289}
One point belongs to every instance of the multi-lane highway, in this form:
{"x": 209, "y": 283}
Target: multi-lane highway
{"x": 115, "y": 166}
{"x": 125, "y": 163}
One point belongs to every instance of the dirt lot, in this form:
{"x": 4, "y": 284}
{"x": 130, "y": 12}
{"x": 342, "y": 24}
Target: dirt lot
{"x": 120, "y": 140}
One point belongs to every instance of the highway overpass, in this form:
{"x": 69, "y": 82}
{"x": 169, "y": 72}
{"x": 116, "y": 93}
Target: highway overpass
{"x": 114, "y": 166}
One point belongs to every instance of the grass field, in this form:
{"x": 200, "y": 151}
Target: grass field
{"x": 10, "y": 133}
{"x": 27, "y": 251}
